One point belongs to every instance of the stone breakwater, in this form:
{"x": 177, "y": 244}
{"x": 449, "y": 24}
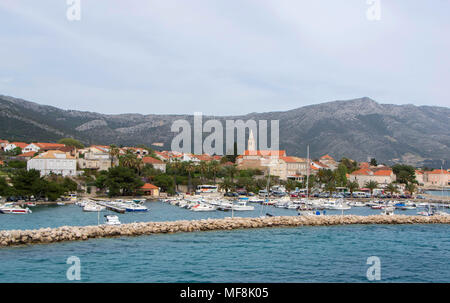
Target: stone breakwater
{"x": 77, "y": 233}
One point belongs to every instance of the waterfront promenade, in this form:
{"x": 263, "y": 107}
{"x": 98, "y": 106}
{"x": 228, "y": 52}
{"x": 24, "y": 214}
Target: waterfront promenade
{"x": 77, "y": 233}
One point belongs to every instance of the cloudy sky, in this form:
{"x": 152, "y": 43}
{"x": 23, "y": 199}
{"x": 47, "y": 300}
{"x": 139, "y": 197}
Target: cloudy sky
{"x": 223, "y": 57}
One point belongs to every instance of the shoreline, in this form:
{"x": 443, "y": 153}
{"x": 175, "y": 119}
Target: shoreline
{"x": 9, "y": 238}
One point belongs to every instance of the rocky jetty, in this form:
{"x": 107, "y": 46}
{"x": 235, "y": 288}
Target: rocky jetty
{"x": 76, "y": 233}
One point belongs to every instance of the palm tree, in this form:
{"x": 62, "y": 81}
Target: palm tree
{"x": 391, "y": 188}
{"x": 128, "y": 160}
{"x": 214, "y": 168}
{"x": 371, "y": 185}
{"x": 352, "y": 186}
{"x": 203, "y": 167}
{"x": 114, "y": 153}
{"x": 330, "y": 187}
{"x": 190, "y": 168}
{"x": 227, "y": 184}
{"x": 231, "y": 171}
{"x": 176, "y": 165}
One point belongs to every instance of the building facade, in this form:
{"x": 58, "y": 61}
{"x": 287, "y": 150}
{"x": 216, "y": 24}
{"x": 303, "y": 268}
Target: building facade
{"x": 54, "y": 162}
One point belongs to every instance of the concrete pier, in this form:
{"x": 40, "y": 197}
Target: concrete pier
{"x": 76, "y": 233}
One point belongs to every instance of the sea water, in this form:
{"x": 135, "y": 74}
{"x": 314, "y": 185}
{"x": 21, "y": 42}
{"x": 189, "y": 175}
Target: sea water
{"x": 407, "y": 253}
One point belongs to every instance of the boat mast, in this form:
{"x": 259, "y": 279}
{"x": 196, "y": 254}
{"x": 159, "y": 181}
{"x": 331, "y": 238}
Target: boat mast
{"x": 266, "y": 196}
{"x": 307, "y": 172}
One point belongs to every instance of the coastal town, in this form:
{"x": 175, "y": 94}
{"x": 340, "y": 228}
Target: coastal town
{"x": 156, "y": 173}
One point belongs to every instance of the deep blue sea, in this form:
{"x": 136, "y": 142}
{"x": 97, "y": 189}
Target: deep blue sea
{"x": 408, "y": 253}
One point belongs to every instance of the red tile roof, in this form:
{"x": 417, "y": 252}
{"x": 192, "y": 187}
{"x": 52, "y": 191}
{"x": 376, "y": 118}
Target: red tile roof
{"x": 20, "y": 144}
{"x": 327, "y": 157}
{"x": 28, "y": 154}
{"x": 383, "y": 172}
{"x": 148, "y": 186}
{"x": 48, "y": 145}
{"x": 362, "y": 171}
{"x": 438, "y": 171}
{"x": 151, "y": 160}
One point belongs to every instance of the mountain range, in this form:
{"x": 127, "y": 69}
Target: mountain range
{"x": 358, "y": 129}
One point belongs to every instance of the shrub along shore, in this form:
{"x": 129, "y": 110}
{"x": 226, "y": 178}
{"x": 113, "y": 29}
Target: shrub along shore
{"x": 76, "y": 233}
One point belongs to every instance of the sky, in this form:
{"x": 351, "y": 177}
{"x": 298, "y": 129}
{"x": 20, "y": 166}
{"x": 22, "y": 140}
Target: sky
{"x": 223, "y": 57}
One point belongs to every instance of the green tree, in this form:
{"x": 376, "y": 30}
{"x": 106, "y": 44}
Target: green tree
{"x": 352, "y": 186}
{"x": 404, "y": 173}
{"x": 165, "y": 182}
{"x": 411, "y": 188}
{"x": 350, "y": 164}
{"x": 340, "y": 175}
{"x": 330, "y": 187}
{"x": 373, "y": 162}
{"x": 325, "y": 176}
{"x": 114, "y": 153}
{"x": 391, "y": 188}
{"x": 371, "y": 185}
{"x": 71, "y": 142}
{"x": 5, "y": 189}
{"x": 214, "y": 168}
{"x": 28, "y": 183}
{"x": 227, "y": 185}
{"x": 122, "y": 180}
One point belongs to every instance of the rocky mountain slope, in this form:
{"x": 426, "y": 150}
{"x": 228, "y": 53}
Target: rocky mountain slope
{"x": 357, "y": 129}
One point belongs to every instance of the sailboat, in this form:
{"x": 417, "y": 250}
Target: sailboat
{"x": 308, "y": 212}
{"x": 437, "y": 211}
{"x": 266, "y": 198}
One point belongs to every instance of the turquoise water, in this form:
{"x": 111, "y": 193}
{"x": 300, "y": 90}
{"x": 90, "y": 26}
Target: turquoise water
{"x": 408, "y": 253}
{"x": 440, "y": 193}
{"x": 55, "y": 216}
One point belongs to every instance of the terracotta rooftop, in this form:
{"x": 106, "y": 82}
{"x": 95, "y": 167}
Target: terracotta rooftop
{"x": 151, "y": 160}
{"x": 52, "y": 154}
{"x": 148, "y": 186}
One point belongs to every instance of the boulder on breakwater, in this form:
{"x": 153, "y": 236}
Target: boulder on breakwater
{"x": 73, "y": 233}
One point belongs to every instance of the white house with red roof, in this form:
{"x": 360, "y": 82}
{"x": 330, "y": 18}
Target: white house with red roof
{"x": 3, "y": 144}
{"x": 382, "y": 175}
{"x": 12, "y": 145}
{"x": 54, "y": 161}
{"x": 329, "y": 162}
{"x": 156, "y": 163}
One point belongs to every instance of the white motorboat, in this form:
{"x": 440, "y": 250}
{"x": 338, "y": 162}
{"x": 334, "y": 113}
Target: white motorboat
{"x": 255, "y": 199}
{"x": 336, "y": 205}
{"x": 93, "y": 207}
{"x": 133, "y": 207}
{"x": 14, "y": 210}
{"x": 112, "y": 220}
{"x": 291, "y": 206}
{"x": 242, "y": 205}
{"x": 203, "y": 207}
